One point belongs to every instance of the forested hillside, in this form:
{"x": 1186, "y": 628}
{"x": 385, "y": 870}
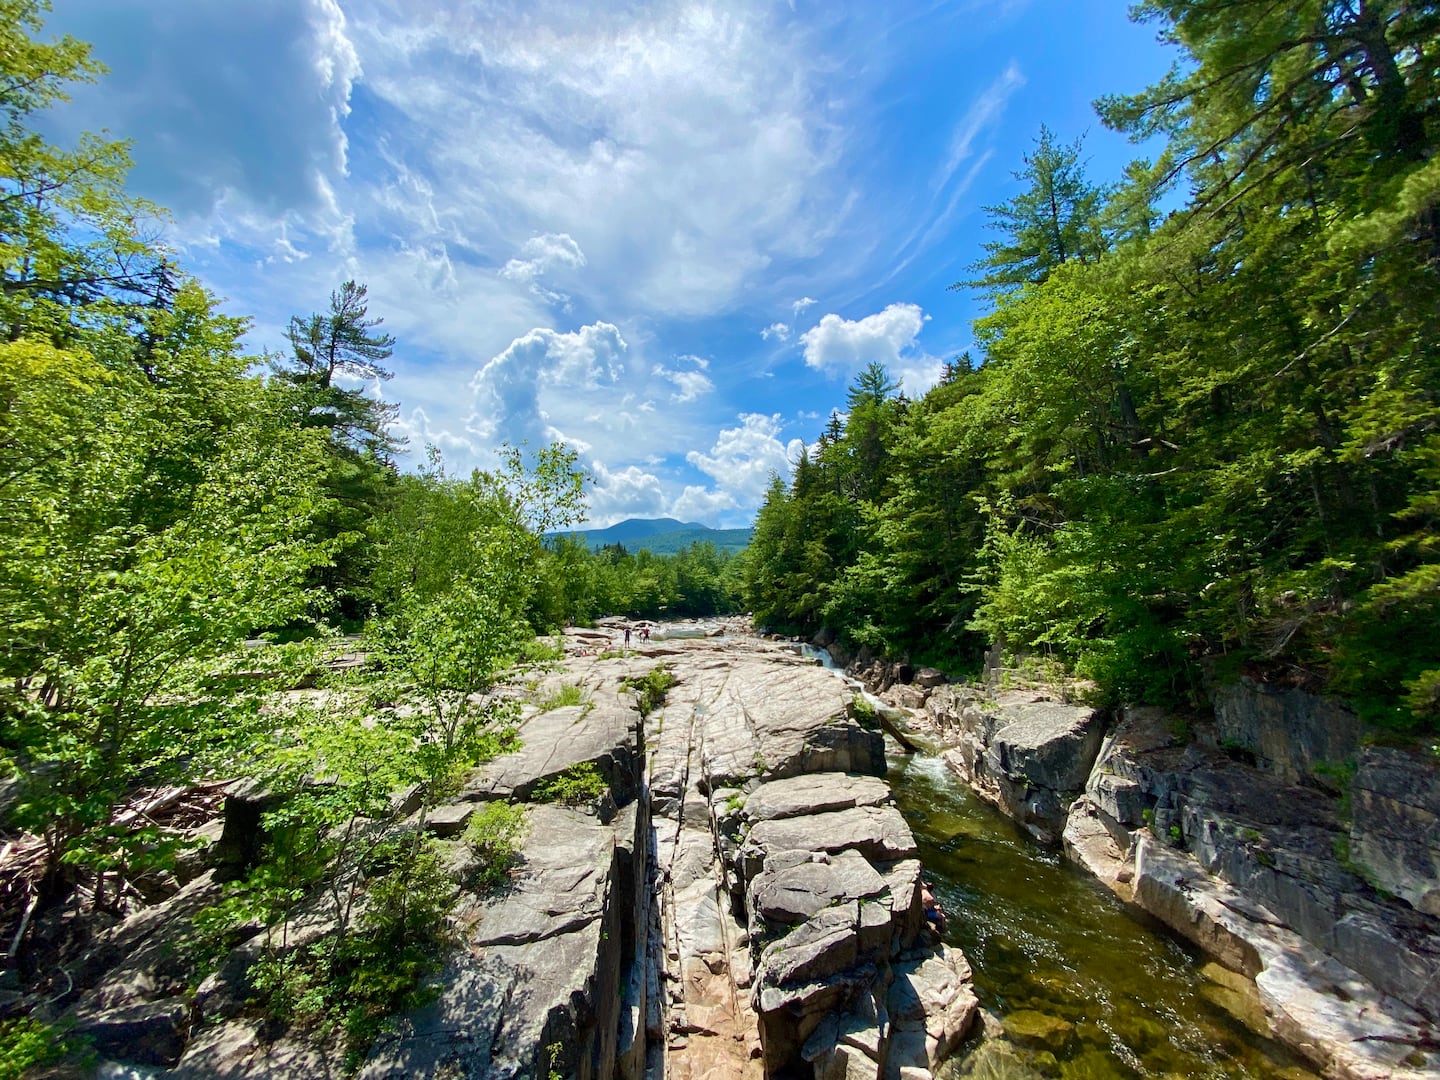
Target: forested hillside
{"x": 1196, "y": 440}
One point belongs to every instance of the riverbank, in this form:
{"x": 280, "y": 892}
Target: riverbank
{"x": 1242, "y": 842}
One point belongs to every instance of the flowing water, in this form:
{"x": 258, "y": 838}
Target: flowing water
{"x": 1086, "y": 988}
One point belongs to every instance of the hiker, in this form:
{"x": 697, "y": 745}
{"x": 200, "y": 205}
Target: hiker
{"x": 645, "y": 634}
{"x": 627, "y": 637}
{"x": 933, "y": 915}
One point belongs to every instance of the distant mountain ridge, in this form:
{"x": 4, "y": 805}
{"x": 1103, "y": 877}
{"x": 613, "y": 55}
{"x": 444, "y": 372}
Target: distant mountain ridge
{"x": 661, "y": 536}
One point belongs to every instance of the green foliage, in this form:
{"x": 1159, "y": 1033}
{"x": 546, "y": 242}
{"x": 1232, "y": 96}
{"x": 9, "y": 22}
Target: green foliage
{"x": 579, "y": 785}
{"x": 494, "y": 834}
{"x": 164, "y": 525}
{"x": 76, "y": 254}
{"x": 26, "y": 1043}
{"x": 1056, "y": 219}
{"x": 698, "y": 581}
{"x": 352, "y": 983}
{"x": 1207, "y": 442}
{"x": 863, "y": 712}
{"x": 553, "y": 1054}
{"x": 569, "y": 694}
{"x": 650, "y": 689}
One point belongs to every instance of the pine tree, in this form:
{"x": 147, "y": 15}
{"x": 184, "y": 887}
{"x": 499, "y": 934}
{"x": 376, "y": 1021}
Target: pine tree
{"x": 1056, "y": 219}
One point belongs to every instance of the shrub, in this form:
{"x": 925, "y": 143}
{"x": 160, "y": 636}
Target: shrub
{"x": 578, "y": 785}
{"x": 494, "y": 835}
{"x": 568, "y": 694}
{"x": 353, "y": 982}
{"x": 650, "y": 690}
{"x": 26, "y": 1042}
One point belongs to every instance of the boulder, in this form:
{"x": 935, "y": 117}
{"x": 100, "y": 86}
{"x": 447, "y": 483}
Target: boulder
{"x": 1097, "y": 845}
{"x": 545, "y": 961}
{"x": 1326, "y": 1011}
{"x": 779, "y": 720}
{"x": 931, "y": 999}
{"x": 1029, "y": 757}
{"x": 792, "y": 889}
{"x": 929, "y": 677}
{"x": 815, "y": 793}
{"x": 237, "y": 1051}
{"x": 148, "y": 1033}
{"x": 1047, "y": 744}
{"x": 877, "y": 832}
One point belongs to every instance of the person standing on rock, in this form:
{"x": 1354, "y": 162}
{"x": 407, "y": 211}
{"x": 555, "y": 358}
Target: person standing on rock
{"x": 627, "y": 637}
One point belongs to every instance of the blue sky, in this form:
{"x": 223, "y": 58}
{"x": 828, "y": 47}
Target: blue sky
{"x": 669, "y": 233}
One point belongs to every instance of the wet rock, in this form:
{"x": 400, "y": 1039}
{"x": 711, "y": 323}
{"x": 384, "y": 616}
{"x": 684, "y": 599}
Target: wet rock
{"x": 1091, "y": 840}
{"x": 1028, "y": 1027}
{"x": 1316, "y": 1005}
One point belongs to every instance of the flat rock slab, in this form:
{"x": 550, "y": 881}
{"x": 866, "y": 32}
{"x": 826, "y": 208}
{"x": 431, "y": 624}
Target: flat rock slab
{"x": 551, "y": 742}
{"x": 236, "y": 1051}
{"x": 561, "y": 885}
{"x": 815, "y": 793}
{"x": 782, "y": 719}
{"x": 877, "y": 832}
{"x": 530, "y": 954}
{"x": 1318, "y": 1006}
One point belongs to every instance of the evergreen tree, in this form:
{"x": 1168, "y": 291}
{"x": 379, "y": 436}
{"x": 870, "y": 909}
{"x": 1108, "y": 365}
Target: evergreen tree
{"x": 327, "y": 349}
{"x": 342, "y": 342}
{"x": 1055, "y": 219}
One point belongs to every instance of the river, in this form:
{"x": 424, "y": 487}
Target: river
{"x": 1101, "y": 991}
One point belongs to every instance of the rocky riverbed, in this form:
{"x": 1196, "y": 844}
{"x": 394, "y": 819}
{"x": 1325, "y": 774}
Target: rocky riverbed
{"x": 741, "y": 899}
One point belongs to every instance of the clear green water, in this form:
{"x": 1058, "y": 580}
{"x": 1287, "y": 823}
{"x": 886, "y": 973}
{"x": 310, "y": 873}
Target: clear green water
{"x": 1089, "y": 989}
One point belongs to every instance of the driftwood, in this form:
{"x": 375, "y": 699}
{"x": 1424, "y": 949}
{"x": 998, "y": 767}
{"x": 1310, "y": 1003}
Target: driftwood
{"x": 24, "y": 858}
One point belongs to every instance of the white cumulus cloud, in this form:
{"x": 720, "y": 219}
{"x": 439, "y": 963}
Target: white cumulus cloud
{"x": 776, "y": 330}
{"x": 741, "y": 463}
{"x": 689, "y": 385}
{"x": 845, "y": 345}
{"x": 804, "y": 302}
{"x": 256, "y": 134}
{"x": 618, "y": 494}
{"x": 508, "y": 388}
{"x": 542, "y": 253}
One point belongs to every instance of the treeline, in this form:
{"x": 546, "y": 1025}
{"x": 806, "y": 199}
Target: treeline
{"x": 1198, "y": 441}
{"x": 697, "y": 582}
